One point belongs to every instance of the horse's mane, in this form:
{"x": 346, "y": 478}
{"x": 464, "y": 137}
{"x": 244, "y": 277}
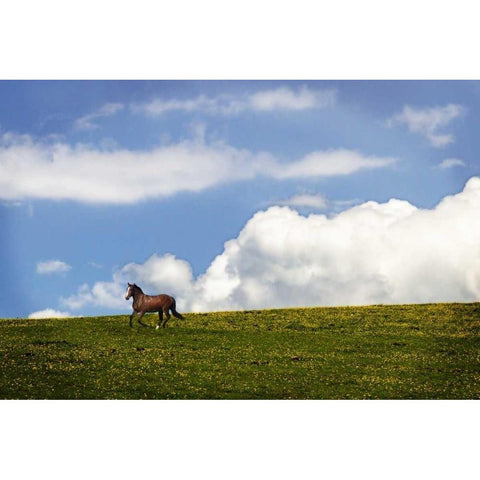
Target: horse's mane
{"x": 137, "y": 288}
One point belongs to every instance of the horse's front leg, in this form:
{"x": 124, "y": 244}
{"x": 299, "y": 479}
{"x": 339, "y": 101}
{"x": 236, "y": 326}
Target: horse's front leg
{"x": 131, "y": 318}
{"x": 139, "y": 319}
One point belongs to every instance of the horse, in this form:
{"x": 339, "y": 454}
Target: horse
{"x": 145, "y": 303}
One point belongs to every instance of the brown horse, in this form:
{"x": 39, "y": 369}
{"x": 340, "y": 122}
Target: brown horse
{"x": 145, "y": 303}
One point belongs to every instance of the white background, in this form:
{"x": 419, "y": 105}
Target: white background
{"x": 242, "y": 40}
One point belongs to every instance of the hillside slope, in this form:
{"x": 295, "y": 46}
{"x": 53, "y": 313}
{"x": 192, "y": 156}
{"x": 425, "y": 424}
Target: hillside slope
{"x": 401, "y": 351}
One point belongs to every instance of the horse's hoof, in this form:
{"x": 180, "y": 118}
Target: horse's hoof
{"x": 157, "y": 327}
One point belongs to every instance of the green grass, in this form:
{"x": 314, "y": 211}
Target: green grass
{"x": 401, "y": 351}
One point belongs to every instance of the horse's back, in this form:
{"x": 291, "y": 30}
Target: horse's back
{"x": 164, "y": 298}
{"x": 159, "y": 302}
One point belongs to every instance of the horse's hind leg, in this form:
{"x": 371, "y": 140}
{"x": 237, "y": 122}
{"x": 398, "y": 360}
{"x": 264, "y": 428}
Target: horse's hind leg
{"x": 160, "y": 318}
{"x": 167, "y": 314}
{"x": 139, "y": 319}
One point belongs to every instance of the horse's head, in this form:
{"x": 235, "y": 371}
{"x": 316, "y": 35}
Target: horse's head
{"x": 129, "y": 291}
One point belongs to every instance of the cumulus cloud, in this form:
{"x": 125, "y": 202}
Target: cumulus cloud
{"x": 30, "y": 169}
{"x": 158, "y": 273}
{"x": 102, "y": 294}
{"x": 428, "y": 121}
{"x": 451, "y": 162}
{"x": 49, "y": 313}
{"x": 87, "y": 122}
{"x": 372, "y": 253}
{"x": 281, "y": 98}
{"x": 52, "y": 266}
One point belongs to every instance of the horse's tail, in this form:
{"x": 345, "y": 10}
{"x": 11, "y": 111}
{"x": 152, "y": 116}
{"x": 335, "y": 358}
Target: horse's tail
{"x": 174, "y": 311}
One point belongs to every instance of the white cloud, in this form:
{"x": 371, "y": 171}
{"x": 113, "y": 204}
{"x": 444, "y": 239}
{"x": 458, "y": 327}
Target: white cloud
{"x": 103, "y": 294}
{"x": 451, "y": 162}
{"x": 52, "y": 266}
{"x": 428, "y": 121}
{"x": 87, "y": 122}
{"x": 158, "y": 273}
{"x": 281, "y": 98}
{"x": 284, "y": 98}
{"x": 317, "y": 201}
{"x": 49, "y": 313}
{"x": 80, "y": 173}
{"x": 221, "y": 104}
{"x": 369, "y": 254}
{"x": 330, "y": 163}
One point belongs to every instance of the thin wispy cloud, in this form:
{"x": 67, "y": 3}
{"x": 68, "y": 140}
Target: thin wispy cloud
{"x": 281, "y": 98}
{"x": 339, "y": 205}
{"x": 430, "y": 123}
{"x": 87, "y": 122}
{"x": 285, "y": 98}
{"x": 450, "y": 163}
{"x": 330, "y": 163}
{"x": 30, "y": 170}
{"x": 95, "y": 265}
{"x": 316, "y": 201}
{"x": 52, "y": 266}
{"x": 29, "y": 209}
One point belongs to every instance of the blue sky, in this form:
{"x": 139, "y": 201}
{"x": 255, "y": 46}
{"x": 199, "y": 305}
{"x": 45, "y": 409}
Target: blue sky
{"x": 85, "y": 206}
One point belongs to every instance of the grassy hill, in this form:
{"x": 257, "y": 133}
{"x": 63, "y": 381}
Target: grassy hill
{"x": 401, "y": 351}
